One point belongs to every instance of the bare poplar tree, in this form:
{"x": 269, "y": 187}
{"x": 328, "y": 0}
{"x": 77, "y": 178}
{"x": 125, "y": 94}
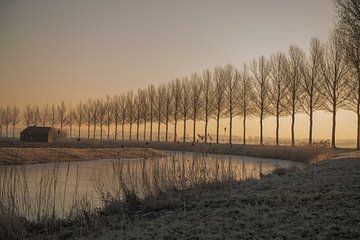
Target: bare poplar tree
{"x": 2, "y": 118}
{"x": 207, "y": 95}
{"x": 219, "y": 94}
{"x": 78, "y": 114}
{"x": 168, "y": 109}
{"x": 334, "y": 84}
{"x": 117, "y": 114}
{"x": 95, "y": 112}
{"x": 87, "y": 111}
{"x": 44, "y": 115}
{"x": 137, "y": 104}
{"x": 15, "y": 119}
{"x": 7, "y": 120}
{"x": 311, "y": 100}
{"x": 151, "y": 93}
{"x": 70, "y": 119}
{"x": 185, "y": 103}
{"x": 53, "y": 116}
{"x": 28, "y": 115}
{"x": 123, "y": 112}
{"x": 102, "y": 115}
{"x": 130, "y": 111}
{"x": 245, "y": 98}
{"x": 196, "y": 104}
{"x": 279, "y": 89}
{"x": 231, "y": 78}
{"x": 159, "y": 99}
{"x": 62, "y": 115}
{"x": 176, "y": 91}
{"x": 109, "y": 113}
{"x": 261, "y": 70}
{"x": 144, "y": 109}
{"x": 349, "y": 24}
{"x": 36, "y": 114}
{"x": 295, "y": 63}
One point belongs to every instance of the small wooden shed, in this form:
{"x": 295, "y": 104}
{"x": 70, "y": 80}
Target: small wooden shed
{"x": 37, "y": 134}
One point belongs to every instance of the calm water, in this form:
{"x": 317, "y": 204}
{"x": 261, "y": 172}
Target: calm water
{"x": 56, "y": 187}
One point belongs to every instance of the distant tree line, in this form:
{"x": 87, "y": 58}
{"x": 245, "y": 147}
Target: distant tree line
{"x": 326, "y": 79}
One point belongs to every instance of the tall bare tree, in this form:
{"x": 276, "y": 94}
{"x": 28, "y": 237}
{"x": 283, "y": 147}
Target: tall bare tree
{"x": 117, "y": 114}
{"x": 311, "y": 100}
{"x": 15, "y": 119}
{"x": 219, "y": 94}
{"x": 102, "y": 115}
{"x": 261, "y": 69}
{"x": 168, "y": 109}
{"x": 295, "y": 63}
{"x": 44, "y": 115}
{"x": 232, "y": 79}
{"x": 334, "y": 84}
{"x": 245, "y": 98}
{"x": 7, "y": 120}
{"x": 78, "y": 114}
{"x": 123, "y": 112}
{"x": 177, "y": 92}
{"x": 2, "y": 118}
{"x": 53, "y": 120}
{"x": 70, "y": 119}
{"x": 349, "y": 25}
{"x": 28, "y": 115}
{"x": 62, "y": 115}
{"x": 137, "y": 109}
{"x": 144, "y": 109}
{"x": 159, "y": 106}
{"x": 87, "y": 108}
{"x": 151, "y": 93}
{"x": 207, "y": 96}
{"x": 130, "y": 111}
{"x": 109, "y": 113}
{"x": 185, "y": 104}
{"x": 196, "y": 100}
{"x": 36, "y": 114}
{"x": 95, "y": 112}
{"x": 278, "y": 88}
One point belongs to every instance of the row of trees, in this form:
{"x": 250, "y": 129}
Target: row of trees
{"x": 327, "y": 79}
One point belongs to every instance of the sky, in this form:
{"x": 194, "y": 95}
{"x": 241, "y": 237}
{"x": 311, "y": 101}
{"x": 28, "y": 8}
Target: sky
{"x": 72, "y": 50}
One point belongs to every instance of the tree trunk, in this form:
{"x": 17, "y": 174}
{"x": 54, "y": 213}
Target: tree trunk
{"x": 144, "y": 130}
{"x": 184, "y": 135}
{"x": 230, "y": 130}
{"x": 130, "y": 130}
{"x": 194, "y": 129}
{"x": 159, "y": 128}
{"x": 94, "y": 130}
{"x": 333, "y": 135}
{"x": 206, "y": 126}
{"x": 137, "y": 129}
{"x": 166, "y": 128}
{"x": 217, "y": 128}
{"x": 70, "y": 129}
{"x": 7, "y": 130}
{"x": 261, "y": 127}
{"x": 358, "y": 110}
{"x": 13, "y": 131}
{"x": 108, "y": 132}
{"x": 277, "y": 127}
{"x": 311, "y": 127}
{"x": 244, "y": 129}
{"x": 122, "y": 129}
{"x": 79, "y": 131}
{"x": 116, "y": 127}
{"x": 101, "y": 131}
{"x": 175, "y": 125}
{"x": 151, "y": 125}
{"x": 293, "y": 123}
{"x": 88, "y": 131}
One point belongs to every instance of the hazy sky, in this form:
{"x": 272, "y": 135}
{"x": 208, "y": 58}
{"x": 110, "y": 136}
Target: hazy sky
{"x": 74, "y": 49}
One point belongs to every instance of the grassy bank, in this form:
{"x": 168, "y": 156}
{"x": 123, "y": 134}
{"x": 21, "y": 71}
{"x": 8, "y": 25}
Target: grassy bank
{"x": 319, "y": 202}
{"x": 301, "y": 153}
{"x": 48, "y": 154}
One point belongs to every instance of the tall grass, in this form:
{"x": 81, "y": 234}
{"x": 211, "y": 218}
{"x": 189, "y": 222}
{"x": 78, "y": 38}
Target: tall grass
{"x": 49, "y": 204}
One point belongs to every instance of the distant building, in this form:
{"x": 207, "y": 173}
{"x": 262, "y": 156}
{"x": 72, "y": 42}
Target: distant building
{"x": 37, "y": 134}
